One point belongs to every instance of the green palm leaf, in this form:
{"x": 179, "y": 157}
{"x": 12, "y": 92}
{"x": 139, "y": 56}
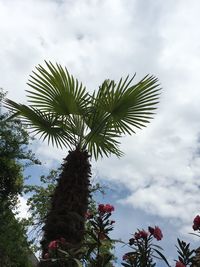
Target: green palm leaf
{"x": 48, "y": 125}
{"x": 58, "y": 106}
{"x": 117, "y": 109}
{"x": 103, "y": 143}
{"x": 55, "y": 90}
{"x": 127, "y": 107}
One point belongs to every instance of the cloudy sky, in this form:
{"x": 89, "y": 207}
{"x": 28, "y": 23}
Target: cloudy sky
{"x": 157, "y": 181}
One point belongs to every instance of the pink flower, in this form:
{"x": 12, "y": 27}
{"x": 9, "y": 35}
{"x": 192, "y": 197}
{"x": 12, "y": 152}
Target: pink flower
{"x": 180, "y": 264}
{"x": 156, "y": 232}
{"x": 141, "y": 234}
{"x": 101, "y": 208}
{"x": 105, "y": 208}
{"x": 108, "y": 208}
{"x": 196, "y": 221}
{"x": 53, "y": 245}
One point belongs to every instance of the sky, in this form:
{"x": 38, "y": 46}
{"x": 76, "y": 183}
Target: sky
{"x": 157, "y": 181}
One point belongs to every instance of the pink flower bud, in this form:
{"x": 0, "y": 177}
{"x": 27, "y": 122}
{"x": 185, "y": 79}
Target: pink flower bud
{"x": 196, "y": 221}
{"x": 105, "y": 208}
{"x": 53, "y": 245}
{"x": 180, "y": 264}
{"x": 156, "y": 232}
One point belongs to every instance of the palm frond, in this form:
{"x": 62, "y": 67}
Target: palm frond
{"x": 127, "y": 107}
{"x": 75, "y": 124}
{"x": 55, "y": 90}
{"x": 117, "y": 109}
{"x": 100, "y": 140}
{"x": 47, "y": 125}
{"x": 103, "y": 143}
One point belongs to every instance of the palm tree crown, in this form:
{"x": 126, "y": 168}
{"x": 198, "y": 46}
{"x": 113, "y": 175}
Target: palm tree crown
{"x": 64, "y": 113}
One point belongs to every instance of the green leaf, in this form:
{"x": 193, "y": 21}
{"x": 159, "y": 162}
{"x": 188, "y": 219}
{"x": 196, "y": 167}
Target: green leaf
{"x": 55, "y": 90}
{"x": 128, "y": 107}
{"x": 79, "y": 264}
{"x": 91, "y": 248}
{"x": 125, "y": 264}
{"x": 64, "y": 252}
{"x": 162, "y": 256}
{"x": 195, "y": 234}
{"x": 118, "y": 109}
{"x": 48, "y": 125}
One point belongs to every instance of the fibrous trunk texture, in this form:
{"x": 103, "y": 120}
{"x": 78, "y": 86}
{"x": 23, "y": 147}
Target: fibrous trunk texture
{"x": 66, "y": 217}
{"x": 196, "y": 259}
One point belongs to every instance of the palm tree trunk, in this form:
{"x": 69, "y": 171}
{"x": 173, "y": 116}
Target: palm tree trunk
{"x": 66, "y": 217}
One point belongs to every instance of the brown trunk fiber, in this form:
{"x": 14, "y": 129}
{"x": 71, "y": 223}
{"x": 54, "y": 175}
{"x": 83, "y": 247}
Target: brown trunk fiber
{"x": 66, "y": 217}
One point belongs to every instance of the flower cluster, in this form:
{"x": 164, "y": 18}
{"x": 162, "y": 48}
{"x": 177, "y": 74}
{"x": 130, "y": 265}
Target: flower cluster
{"x": 180, "y": 264}
{"x": 101, "y": 210}
{"x": 156, "y": 232}
{"x": 196, "y": 223}
{"x": 54, "y": 245}
{"x": 101, "y": 220}
{"x": 99, "y": 225}
{"x": 105, "y": 208}
{"x": 143, "y": 249}
{"x": 142, "y": 234}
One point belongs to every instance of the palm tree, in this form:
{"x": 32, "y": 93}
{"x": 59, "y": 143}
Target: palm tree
{"x": 64, "y": 113}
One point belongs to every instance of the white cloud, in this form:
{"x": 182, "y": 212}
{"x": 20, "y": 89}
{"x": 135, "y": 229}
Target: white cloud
{"x": 100, "y": 39}
{"x": 22, "y": 208}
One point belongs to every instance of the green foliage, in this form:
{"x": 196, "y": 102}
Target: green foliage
{"x": 95, "y": 251}
{"x": 39, "y": 204}
{"x": 14, "y": 249}
{"x": 63, "y": 254}
{"x": 185, "y": 254}
{"x": 14, "y": 157}
{"x": 62, "y": 112}
{"x": 144, "y": 251}
{"x": 98, "y": 243}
